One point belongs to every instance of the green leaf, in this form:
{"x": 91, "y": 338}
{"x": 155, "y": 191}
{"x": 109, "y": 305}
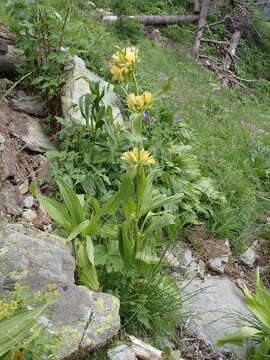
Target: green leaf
{"x": 111, "y": 205}
{"x": 168, "y": 85}
{"x": 78, "y": 230}
{"x": 239, "y": 336}
{"x": 110, "y": 231}
{"x": 16, "y": 330}
{"x": 72, "y": 202}
{"x": 56, "y": 210}
{"x": 86, "y": 270}
{"x": 126, "y": 244}
{"x": 90, "y": 250}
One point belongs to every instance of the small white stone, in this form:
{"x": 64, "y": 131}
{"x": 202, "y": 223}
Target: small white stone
{"x": 29, "y": 215}
{"x": 218, "y": 264}
{"x": 28, "y": 202}
{"x": 121, "y": 352}
{"x": 248, "y": 257}
{"x": 2, "y": 142}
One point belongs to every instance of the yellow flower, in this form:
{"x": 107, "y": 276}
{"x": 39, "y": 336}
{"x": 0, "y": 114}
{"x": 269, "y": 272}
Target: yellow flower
{"x": 139, "y": 157}
{"x": 7, "y": 309}
{"x": 138, "y": 103}
{"x": 117, "y": 73}
{"x": 131, "y": 55}
{"x": 123, "y": 63}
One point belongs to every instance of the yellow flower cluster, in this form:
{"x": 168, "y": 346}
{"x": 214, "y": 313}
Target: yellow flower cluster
{"x": 7, "y": 309}
{"x": 138, "y": 103}
{"x": 123, "y": 63}
{"x": 139, "y": 157}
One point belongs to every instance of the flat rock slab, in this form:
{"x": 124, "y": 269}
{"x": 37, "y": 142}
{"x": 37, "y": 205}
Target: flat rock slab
{"x": 25, "y": 128}
{"x": 80, "y": 316}
{"x": 213, "y": 307}
{"x": 76, "y": 87}
{"x": 31, "y": 105}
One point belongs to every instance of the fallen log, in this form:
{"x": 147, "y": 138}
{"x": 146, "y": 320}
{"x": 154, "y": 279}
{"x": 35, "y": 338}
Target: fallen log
{"x": 196, "y": 7}
{"x": 201, "y": 25}
{"x": 151, "y": 19}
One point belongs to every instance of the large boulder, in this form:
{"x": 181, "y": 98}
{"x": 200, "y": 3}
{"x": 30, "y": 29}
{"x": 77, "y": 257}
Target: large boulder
{"x": 212, "y": 309}
{"x": 81, "y": 316}
{"x": 75, "y": 87}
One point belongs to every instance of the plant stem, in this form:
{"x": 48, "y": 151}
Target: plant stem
{"x": 64, "y": 25}
{"x": 135, "y": 82}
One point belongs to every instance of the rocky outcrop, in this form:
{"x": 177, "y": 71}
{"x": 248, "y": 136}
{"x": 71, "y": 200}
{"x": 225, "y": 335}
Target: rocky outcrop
{"x": 76, "y": 87}
{"x": 212, "y": 309}
{"x": 82, "y": 317}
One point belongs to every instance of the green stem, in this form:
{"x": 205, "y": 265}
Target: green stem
{"x": 135, "y": 82}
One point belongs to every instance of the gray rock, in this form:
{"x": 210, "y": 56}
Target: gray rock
{"x": 79, "y": 315}
{"x": 121, "y": 352}
{"x": 75, "y": 88}
{"x": 31, "y": 105}
{"x": 218, "y": 264}
{"x": 34, "y": 137}
{"x": 10, "y": 200}
{"x": 213, "y": 307}
{"x": 248, "y": 257}
{"x": 2, "y": 142}
{"x": 29, "y": 215}
{"x": 28, "y": 201}
{"x": 195, "y": 269}
{"x": 178, "y": 258}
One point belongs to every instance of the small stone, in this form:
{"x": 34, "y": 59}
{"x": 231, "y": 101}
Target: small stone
{"x": 28, "y": 202}
{"x": 248, "y": 257}
{"x": 218, "y": 264}
{"x": 29, "y": 215}
{"x": 23, "y": 188}
{"x": 195, "y": 269}
{"x": 185, "y": 257}
{"x": 121, "y": 352}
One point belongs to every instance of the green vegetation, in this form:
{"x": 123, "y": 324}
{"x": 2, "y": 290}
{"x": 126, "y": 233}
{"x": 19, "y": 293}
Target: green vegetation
{"x": 21, "y": 336}
{"x": 208, "y": 147}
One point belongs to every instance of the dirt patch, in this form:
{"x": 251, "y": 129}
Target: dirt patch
{"x": 194, "y": 347}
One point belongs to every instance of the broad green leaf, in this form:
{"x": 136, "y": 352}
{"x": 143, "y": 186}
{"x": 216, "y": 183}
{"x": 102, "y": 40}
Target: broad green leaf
{"x": 262, "y": 351}
{"x": 86, "y": 270}
{"x": 111, "y": 205}
{"x": 72, "y": 202}
{"x": 56, "y": 210}
{"x": 78, "y": 230}
{"x": 126, "y": 245}
{"x": 90, "y": 250}
{"x": 110, "y": 231}
{"x": 239, "y": 336}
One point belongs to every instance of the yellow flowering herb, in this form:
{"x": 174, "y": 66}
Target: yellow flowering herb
{"x": 138, "y": 103}
{"x": 139, "y": 157}
{"x": 123, "y": 63}
{"x": 7, "y": 309}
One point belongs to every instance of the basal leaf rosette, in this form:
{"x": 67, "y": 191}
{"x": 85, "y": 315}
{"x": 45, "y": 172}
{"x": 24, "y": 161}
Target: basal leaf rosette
{"x": 138, "y": 157}
{"x": 123, "y": 63}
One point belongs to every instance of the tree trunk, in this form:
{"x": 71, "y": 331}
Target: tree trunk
{"x": 152, "y": 19}
{"x": 201, "y": 25}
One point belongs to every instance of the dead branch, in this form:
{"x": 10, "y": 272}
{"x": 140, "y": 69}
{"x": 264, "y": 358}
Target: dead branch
{"x": 201, "y": 25}
{"x": 217, "y": 42}
{"x": 235, "y": 40}
{"x": 150, "y": 19}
